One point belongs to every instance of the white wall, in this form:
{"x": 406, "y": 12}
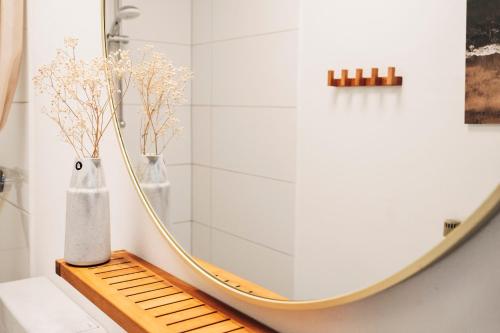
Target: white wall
{"x": 14, "y": 201}
{"x": 381, "y": 169}
{"x": 244, "y": 109}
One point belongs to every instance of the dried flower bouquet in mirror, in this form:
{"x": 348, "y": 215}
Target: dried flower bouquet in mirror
{"x": 161, "y": 86}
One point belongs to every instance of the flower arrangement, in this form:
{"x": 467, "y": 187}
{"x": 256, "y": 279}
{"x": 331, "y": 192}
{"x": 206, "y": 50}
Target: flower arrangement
{"x": 81, "y": 97}
{"x": 161, "y": 86}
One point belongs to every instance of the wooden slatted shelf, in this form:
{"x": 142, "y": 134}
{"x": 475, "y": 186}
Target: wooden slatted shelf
{"x": 238, "y": 282}
{"x": 141, "y": 297}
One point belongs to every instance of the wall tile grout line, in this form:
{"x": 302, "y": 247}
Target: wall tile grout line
{"x": 225, "y": 106}
{"x": 211, "y": 136}
{"x": 182, "y": 222}
{"x": 246, "y": 106}
{"x": 264, "y": 34}
{"x": 246, "y": 239}
{"x": 139, "y": 104}
{"x": 191, "y": 61}
{"x": 245, "y": 173}
{"x": 17, "y": 248}
{"x": 15, "y": 206}
{"x": 139, "y": 40}
{"x": 185, "y": 164}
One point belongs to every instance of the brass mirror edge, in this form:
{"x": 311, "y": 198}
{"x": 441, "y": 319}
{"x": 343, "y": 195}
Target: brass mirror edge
{"x": 481, "y": 216}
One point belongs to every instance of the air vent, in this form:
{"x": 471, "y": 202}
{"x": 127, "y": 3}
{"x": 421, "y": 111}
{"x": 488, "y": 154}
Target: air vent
{"x": 449, "y": 226}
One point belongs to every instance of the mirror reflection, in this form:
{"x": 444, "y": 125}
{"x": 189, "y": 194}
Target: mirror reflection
{"x": 272, "y": 181}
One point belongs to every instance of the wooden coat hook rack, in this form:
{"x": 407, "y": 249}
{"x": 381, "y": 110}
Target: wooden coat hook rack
{"x": 359, "y": 81}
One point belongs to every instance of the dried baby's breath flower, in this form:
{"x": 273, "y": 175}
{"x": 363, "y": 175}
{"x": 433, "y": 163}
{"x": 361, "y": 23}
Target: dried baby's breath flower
{"x": 81, "y": 101}
{"x": 70, "y": 42}
{"x": 161, "y": 86}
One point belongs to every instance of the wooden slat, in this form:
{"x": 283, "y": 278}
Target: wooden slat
{"x": 129, "y": 277}
{"x": 198, "y": 322}
{"x": 120, "y": 272}
{"x": 143, "y": 298}
{"x": 112, "y": 262}
{"x": 197, "y": 311}
{"x": 136, "y": 283}
{"x": 175, "y": 307}
{"x": 146, "y": 288}
{"x": 226, "y": 327}
{"x": 162, "y": 301}
{"x": 154, "y": 294}
{"x": 115, "y": 267}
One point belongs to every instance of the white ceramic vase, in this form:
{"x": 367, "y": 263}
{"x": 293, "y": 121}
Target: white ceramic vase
{"x": 156, "y": 186}
{"x": 87, "y": 216}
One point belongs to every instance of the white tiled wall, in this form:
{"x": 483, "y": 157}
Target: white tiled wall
{"x": 256, "y": 141}
{"x": 233, "y": 169}
{"x": 254, "y": 208}
{"x": 201, "y": 133}
{"x": 14, "y": 201}
{"x": 238, "y": 18}
{"x": 244, "y": 56}
{"x": 243, "y": 76}
{"x": 166, "y": 24}
{"x": 167, "y": 21}
{"x": 259, "y": 264}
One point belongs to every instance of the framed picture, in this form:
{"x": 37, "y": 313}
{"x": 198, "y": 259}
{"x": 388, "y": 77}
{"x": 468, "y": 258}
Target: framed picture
{"x": 482, "y": 87}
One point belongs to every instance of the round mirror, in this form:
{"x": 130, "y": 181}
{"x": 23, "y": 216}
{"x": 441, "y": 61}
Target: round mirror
{"x": 284, "y": 186}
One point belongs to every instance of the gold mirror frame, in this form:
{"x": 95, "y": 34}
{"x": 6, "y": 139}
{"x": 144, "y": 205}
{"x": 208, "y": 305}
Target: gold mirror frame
{"x": 11, "y": 52}
{"x": 480, "y": 217}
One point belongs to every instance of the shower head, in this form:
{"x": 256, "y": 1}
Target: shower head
{"x": 127, "y": 13}
{"x": 123, "y": 13}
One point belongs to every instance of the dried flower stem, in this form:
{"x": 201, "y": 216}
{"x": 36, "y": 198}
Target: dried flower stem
{"x": 77, "y": 103}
